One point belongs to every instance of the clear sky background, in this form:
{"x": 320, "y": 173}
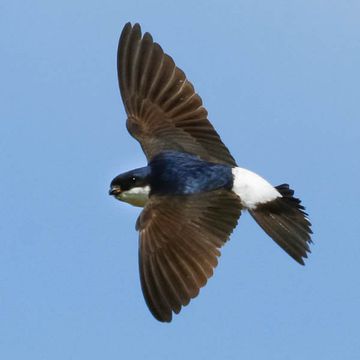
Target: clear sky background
{"x": 280, "y": 80}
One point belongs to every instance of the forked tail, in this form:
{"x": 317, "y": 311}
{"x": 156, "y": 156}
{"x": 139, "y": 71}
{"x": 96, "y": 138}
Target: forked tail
{"x": 286, "y": 222}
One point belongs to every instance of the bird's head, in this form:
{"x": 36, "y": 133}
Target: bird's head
{"x": 132, "y": 187}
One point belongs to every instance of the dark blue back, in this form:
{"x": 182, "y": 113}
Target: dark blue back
{"x": 179, "y": 173}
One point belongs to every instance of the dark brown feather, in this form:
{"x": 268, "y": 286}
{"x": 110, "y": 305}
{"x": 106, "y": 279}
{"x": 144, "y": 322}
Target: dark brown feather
{"x": 164, "y": 111}
{"x": 286, "y": 222}
{"x": 180, "y": 237}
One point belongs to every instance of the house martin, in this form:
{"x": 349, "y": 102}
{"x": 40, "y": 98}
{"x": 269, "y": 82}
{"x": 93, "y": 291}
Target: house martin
{"x": 192, "y": 191}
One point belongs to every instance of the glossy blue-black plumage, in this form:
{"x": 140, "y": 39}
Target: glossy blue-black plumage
{"x": 180, "y": 173}
{"x": 133, "y": 178}
{"x": 177, "y": 173}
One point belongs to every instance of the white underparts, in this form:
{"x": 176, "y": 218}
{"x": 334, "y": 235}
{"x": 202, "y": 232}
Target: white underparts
{"x": 137, "y": 196}
{"x": 252, "y": 189}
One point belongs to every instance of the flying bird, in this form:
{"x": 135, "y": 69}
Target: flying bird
{"x": 192, "y": 190}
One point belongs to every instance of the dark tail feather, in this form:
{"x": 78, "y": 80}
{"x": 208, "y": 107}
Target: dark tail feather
{"x": 286, "y": 222}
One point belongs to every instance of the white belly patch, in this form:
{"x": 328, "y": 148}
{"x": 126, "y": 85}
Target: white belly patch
{"x": 252, "y": 188}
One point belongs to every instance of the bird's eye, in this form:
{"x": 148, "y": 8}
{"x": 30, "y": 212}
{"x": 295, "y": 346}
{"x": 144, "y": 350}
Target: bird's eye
{"x": 133, "y": 179}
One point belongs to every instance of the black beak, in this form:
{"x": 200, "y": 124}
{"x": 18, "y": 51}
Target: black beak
{"x": 114, "y": 190}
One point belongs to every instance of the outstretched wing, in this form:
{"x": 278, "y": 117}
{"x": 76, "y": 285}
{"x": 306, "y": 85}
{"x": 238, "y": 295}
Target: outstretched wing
{"x": 180, "y": 237}
{"x": 164, "y": 111}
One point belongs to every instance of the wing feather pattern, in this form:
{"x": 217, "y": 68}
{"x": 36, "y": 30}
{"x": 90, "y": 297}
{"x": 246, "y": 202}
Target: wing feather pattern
{"x": 180, "y": 237}
{"x": 164, "y": 111}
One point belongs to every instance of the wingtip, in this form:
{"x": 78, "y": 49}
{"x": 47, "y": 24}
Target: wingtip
{"x": 137, "y": 28}
{"x": 134, "y": 30}
{"x": 300, "y": 262}
{"x": 164, "y": 320}
{"x": 128, "y": 29}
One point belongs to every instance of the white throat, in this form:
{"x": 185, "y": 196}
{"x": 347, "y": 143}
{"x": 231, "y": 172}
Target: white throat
{"x": 137, "y": 196}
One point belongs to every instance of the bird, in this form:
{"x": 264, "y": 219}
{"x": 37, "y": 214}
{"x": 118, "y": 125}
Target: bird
{"x": 192, "y": 191}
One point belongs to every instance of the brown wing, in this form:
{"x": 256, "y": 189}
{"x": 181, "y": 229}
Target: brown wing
{"x": 180, "y": 237}
{"x": 164, "y": 111}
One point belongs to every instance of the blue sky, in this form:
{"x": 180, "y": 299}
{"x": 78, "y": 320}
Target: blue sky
{"x": 280, "y": 80}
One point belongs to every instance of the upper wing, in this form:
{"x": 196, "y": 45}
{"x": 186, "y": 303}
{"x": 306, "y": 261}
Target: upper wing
{"x": 179, "y": 241}
{"x": 164, "y": 111}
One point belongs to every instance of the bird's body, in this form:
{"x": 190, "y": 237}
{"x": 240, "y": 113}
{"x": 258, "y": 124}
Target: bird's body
{"x": 192, "y": 190}
{"x": 178, "y": 173}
